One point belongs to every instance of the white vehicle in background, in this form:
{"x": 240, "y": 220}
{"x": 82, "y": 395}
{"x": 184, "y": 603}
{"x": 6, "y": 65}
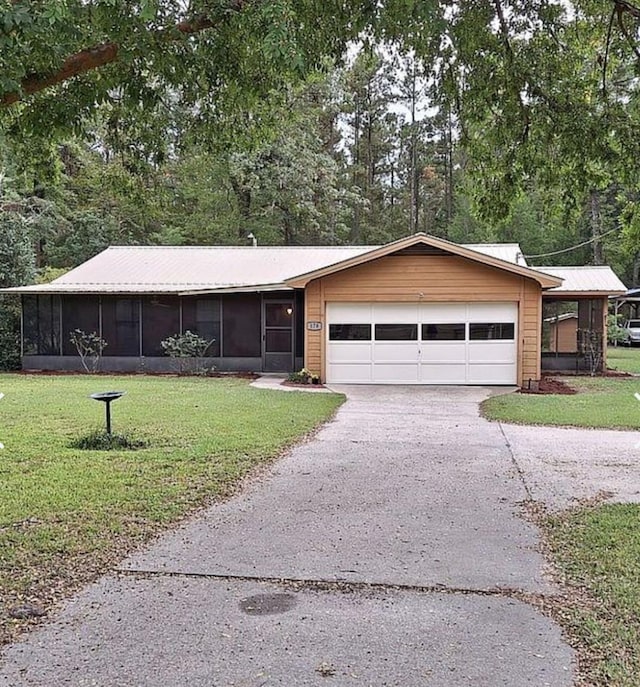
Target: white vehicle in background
{"x": 632, "y": 329}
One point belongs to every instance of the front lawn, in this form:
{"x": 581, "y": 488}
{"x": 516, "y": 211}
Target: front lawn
{"x": 66, "y": 514}
{"x": 604, "y": 402}
{"x": 598, "y": 550}
{"x": 623, "y": 358}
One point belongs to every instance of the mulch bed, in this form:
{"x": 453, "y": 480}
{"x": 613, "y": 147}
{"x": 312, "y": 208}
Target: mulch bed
{"x": 549, "y": 385}
{"x": 302, "y": 385}
{"x": 142, "y": 373}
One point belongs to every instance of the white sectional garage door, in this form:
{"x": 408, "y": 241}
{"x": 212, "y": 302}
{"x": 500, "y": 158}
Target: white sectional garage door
{"x": 436, "y": 343}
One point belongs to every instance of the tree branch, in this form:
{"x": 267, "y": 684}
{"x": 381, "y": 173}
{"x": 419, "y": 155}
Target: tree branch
{"x": 511, "y": 61}
{"x": 100, "y": 55}
{"x": 606, "y": 52}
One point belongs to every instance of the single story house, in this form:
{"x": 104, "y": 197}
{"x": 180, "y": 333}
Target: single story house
{"x": 420, "y": 310}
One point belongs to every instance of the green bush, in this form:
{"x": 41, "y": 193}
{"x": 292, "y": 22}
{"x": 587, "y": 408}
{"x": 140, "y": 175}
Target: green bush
{"x": 188, "y": 350}
{"x": 615, "y": 332}
{"x": 9, "y": 333}
{"x": 303, "y": 376}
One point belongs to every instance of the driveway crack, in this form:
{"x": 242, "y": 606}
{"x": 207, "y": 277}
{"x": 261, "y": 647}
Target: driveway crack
{"x": 340, "y": 586}
{"x": 516, "y": 465}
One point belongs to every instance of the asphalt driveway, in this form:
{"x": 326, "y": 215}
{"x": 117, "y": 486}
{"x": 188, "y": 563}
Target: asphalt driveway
{"x": 388, "y": 550}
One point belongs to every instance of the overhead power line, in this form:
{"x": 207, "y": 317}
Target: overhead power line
{"x": 566, "y": 250}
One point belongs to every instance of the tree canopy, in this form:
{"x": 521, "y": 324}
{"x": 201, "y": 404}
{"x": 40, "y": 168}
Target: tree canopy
{"x": 532, "y": 93}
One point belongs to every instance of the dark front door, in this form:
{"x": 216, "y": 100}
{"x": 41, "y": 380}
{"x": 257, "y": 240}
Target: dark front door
{"x": 278, "y": 319}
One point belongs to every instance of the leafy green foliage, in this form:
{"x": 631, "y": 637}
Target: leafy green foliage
{"x": 616, "y": 333}
{"x": 188, "y": 350}
{"x": 17, "y": 267}
{"x": 303, "y": 376}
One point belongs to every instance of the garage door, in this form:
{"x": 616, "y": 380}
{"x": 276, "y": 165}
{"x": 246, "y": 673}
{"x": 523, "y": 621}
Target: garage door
{"x": 436, "y": 343}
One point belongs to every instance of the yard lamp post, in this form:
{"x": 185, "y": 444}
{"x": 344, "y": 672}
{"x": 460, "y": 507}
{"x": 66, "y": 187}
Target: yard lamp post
{"x": 106, "y": 397}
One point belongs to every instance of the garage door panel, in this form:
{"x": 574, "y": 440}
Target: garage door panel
{"x": 349, "y": 373}
{"x": 492, "y": 352}
{"x": 395, "y": 352}
{"x": 349, "y": 352}
{"x": 349, "y": 313}
{"x": 443, "y": 312}
{"x": 442, "y": 353}
{"x": 491, "y": 374}
{"x": 395, "y": 313}
{"x": 388, "y": 373}
{"x": 443, "y": 374}
{"x": 493, "y": 312}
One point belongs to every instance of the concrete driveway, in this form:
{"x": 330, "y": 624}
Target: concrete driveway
{"x": 388, "y": 550}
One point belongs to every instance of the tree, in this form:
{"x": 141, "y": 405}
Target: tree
{"x": 17, "y": 267}
{"x": 215, "y": 59}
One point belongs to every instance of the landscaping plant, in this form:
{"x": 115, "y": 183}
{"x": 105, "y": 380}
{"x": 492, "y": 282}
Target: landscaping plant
{"x": 89, "y": 346}
{"x": 188, "y": 350}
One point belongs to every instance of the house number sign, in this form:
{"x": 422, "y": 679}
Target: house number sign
{"x": 314, "y": 326}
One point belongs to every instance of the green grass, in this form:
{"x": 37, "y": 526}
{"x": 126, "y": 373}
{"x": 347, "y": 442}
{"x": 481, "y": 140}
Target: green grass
{"x": 623, "y": 358}
{"x": 598, "y": 549}
{"x": 604, "y": 402}
{"x": 65, "y": 513}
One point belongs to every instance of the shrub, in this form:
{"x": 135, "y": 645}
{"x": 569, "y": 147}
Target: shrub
{"x": 616, "y": 333}
{"x": 89, "y": 347}
{"x": 188, "y": 351}
{"x": 9, "y": 333}
{"x": 304, "y": 376}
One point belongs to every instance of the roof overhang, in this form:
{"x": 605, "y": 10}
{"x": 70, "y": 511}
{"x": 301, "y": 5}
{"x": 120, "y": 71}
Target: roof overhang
{"x": 137, "y": 290}
{"x": 546, "y": 281}
{"x": 575, "y": 295}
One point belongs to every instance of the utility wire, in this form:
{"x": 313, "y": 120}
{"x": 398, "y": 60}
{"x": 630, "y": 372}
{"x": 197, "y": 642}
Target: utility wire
{"x": 579, "y": 245}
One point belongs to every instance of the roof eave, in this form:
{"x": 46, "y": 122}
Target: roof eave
{"x": 564, "y": 295}
{"x": 545, "y": 280}
{"x": 44, "y": 289}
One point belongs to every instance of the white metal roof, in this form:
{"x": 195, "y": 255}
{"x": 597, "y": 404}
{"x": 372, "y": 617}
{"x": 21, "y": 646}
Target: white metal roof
{"x": 183, "y": 269}
{"x": 171, "y": 269}
{"x": 598, "y": 279}
{"x": 510, "y": 252}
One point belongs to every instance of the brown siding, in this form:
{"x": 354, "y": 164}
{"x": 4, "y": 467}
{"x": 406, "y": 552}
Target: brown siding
{"x": 564, "y": 336}
{"x": 427, "y": 279}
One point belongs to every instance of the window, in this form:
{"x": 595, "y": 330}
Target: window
{"x": 396, "y": 332}
{"x": 491, "y": 330}
{"x": 349, "y": 332}
{"x": 443, "y": 332}
{"x": 278, "y": 314}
